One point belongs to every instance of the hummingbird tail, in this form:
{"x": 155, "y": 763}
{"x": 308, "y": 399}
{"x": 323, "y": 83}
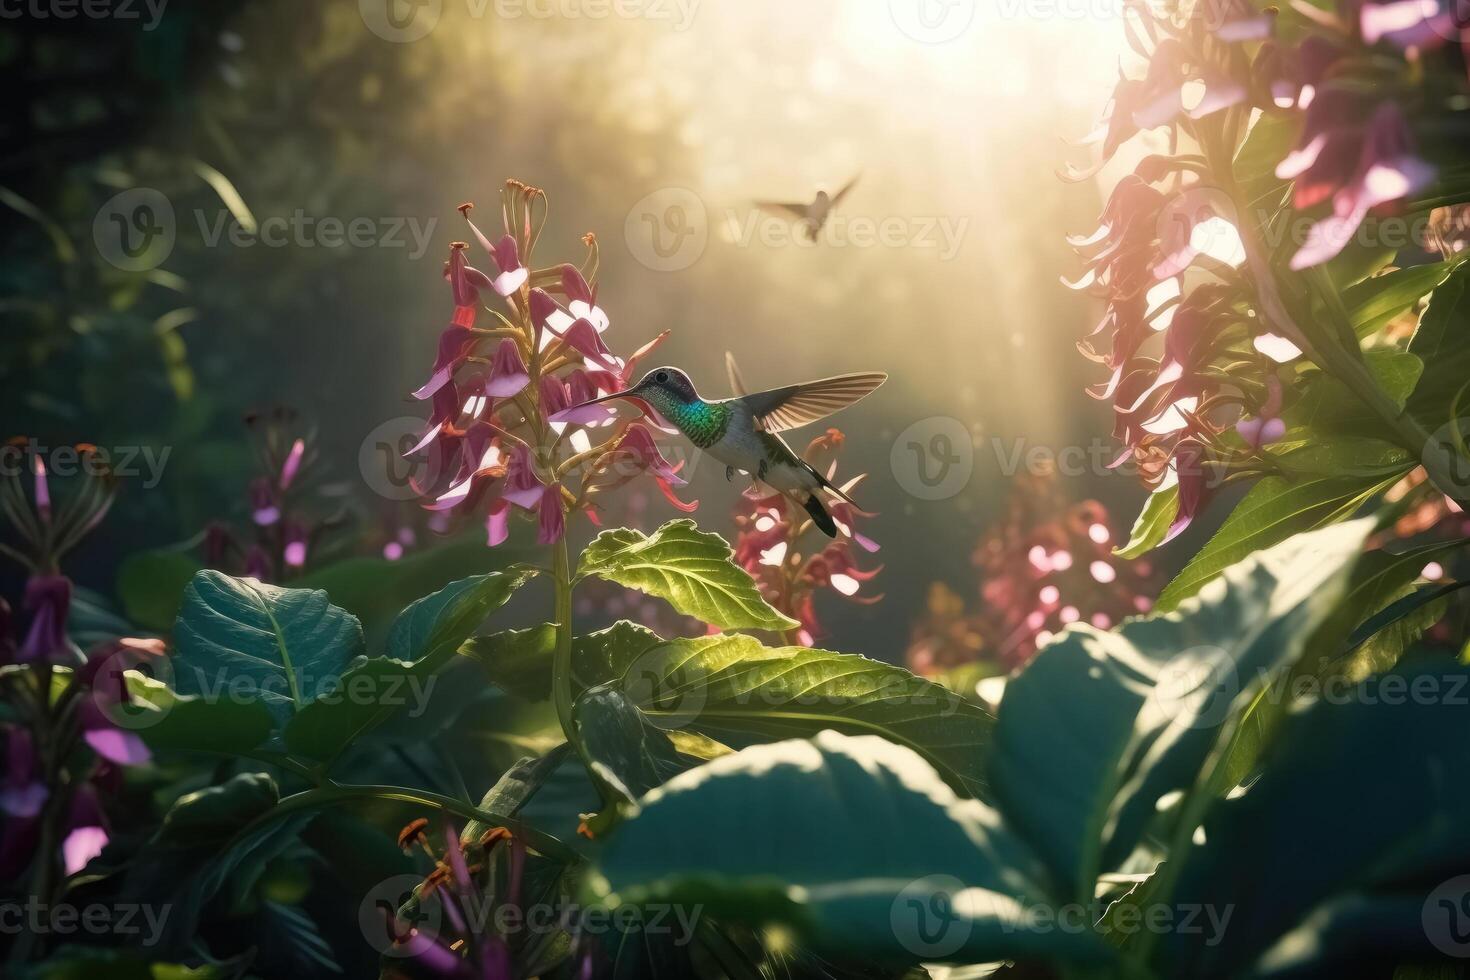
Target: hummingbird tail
{"x": 820, "y": 517}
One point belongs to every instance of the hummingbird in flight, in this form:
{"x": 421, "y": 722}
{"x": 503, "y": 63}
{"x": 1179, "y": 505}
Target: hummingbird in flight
{"x": 811, "y": 216}
{"x": 743, "y": 432}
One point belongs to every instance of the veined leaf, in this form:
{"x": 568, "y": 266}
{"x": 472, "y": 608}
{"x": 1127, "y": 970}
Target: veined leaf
{"x": 734, "y": 689}
{"x": 1441, "y": 341}
{"x": 191, "y": 723}
{"x": 421, "y": 642}
{"x": 259, "y": 641}
{"x": 1153, "y": 522}
{"x": 692, "y": 570}
{"x": 785, "y": 833}
{"x": 629, "y": 756}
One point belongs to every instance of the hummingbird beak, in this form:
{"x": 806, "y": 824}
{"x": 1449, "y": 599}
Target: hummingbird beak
{"x": 578, "y": 413}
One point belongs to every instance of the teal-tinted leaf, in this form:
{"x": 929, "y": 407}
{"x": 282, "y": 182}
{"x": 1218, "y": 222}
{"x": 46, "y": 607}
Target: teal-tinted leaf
{"x": 518, "y": 661}
{"x": 786, "y": 833}
{"x": 693, "y": 570}
{"x": 628, "y": 756}
{"x": 1383, "y": 782}
{"x": 246, "y": 639}
{"x": 515, "y": 787}
{"x": 1442, "y": 341}
{"x": 1153, "y": 522}
{"x": 1277, "y": 508}
{"x": 1099, "y": 725}
{"x": 421, "y": 642}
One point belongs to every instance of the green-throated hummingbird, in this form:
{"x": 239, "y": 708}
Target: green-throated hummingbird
{"x": 742, "y": 432}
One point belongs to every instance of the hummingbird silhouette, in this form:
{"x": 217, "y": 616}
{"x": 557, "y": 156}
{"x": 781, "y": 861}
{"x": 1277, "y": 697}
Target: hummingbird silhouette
{"x": 811, "y": 216}
{"x": 743, "y": 432}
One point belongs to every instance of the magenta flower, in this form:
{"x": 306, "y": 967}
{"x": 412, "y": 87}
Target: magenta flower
{"x": 22, "y": 793}
{"x": 508, "y": 376}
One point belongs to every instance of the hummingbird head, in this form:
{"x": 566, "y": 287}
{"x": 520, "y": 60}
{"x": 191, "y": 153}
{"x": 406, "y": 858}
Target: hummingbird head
{"x": 669, "y": 381}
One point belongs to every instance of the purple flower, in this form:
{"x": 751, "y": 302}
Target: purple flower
{"x": 551, "y": 522}
{"x": 48, "y": 599}
{"x": 22, "y": 794}
{"x": 508, "y": 375}
{"x": 292, "y": 465}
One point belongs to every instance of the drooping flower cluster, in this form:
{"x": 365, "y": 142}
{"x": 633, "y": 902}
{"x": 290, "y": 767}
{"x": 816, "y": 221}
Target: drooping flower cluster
{"x": 774, "y": 539}
{"x": 65, "y": 746}
{"x": 1048, "y": 563}
{"x": 1182, "y": 237}
{"x": 499, "y": 438}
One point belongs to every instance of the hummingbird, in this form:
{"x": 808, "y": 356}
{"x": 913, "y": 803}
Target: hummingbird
{"x": 743, "y": 432}
{"x": 812, "y": 216}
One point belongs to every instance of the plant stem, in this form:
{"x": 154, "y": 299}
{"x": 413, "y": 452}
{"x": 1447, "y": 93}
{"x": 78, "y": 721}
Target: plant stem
{"x": 561, "y": 664}
{"x": 335, "y": 793}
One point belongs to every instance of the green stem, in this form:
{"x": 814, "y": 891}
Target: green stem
{"x": 561, "y": 664}
{"x": 335, "y": 793}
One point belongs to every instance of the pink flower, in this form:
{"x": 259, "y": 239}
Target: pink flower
{"x": 508, "y": 375}
{"x": 48, "y": 598}
{"x": 551, "y": 522}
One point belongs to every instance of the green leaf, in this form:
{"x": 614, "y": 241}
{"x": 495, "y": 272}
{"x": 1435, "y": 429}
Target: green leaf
{"x": 854, "y": 842}
{"x": 151, "y": 584}
{"x": 628, "y": 756}
{"x": 518, "y": 661}
{"x": 1327, "y": 410}
{"x": 736, "y": 690}
{"x": 515, "y": 787}
{"x": 191, "y": 723}
{"x": 1100, "y": 726}
{"x": 1372, "y": 303}
{"x": 1153, "y": 522}
{"x": 1441, "y": 342}
{"x": 1380, "y": 778}
{"x": 1277, "y": 508}
{"x": 421, "y": 642}
{"x": 693, "y": 570}
{"x": 258, "y": 641}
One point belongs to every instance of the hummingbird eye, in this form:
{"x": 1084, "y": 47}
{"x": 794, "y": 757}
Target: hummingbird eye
{"x": 662, "y": 377}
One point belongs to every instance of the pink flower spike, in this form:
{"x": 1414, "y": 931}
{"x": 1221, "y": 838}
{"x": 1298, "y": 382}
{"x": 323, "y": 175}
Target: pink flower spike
{"x": 551, "y": 523}
{"x": 508, "y": 375}
{"x": 292, "y": 465}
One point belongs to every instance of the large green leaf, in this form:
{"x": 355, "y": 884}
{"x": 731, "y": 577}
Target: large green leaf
{"x": 854, "y": 842}
{"x": 692, "y": 569}
{"x": 151, "y": 584}
{"x": 1334, "y": 481}
{"x": 248, "y": 640}
{"x": 1100, "y": 725}
{"x": 1373, "y": 302}
{"x": 422, "y": 640}
{"x": 628, "y": 756}
{"x": 736, "y": 690}
{"x": 1380, "y": 780}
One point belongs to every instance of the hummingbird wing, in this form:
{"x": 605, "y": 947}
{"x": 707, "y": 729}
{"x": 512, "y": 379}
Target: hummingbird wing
{"x": 793, "y": 210}
{"x": 801, "y": 404}
{"x": 737, "y": 383}
{"x": 837, "y": 198}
